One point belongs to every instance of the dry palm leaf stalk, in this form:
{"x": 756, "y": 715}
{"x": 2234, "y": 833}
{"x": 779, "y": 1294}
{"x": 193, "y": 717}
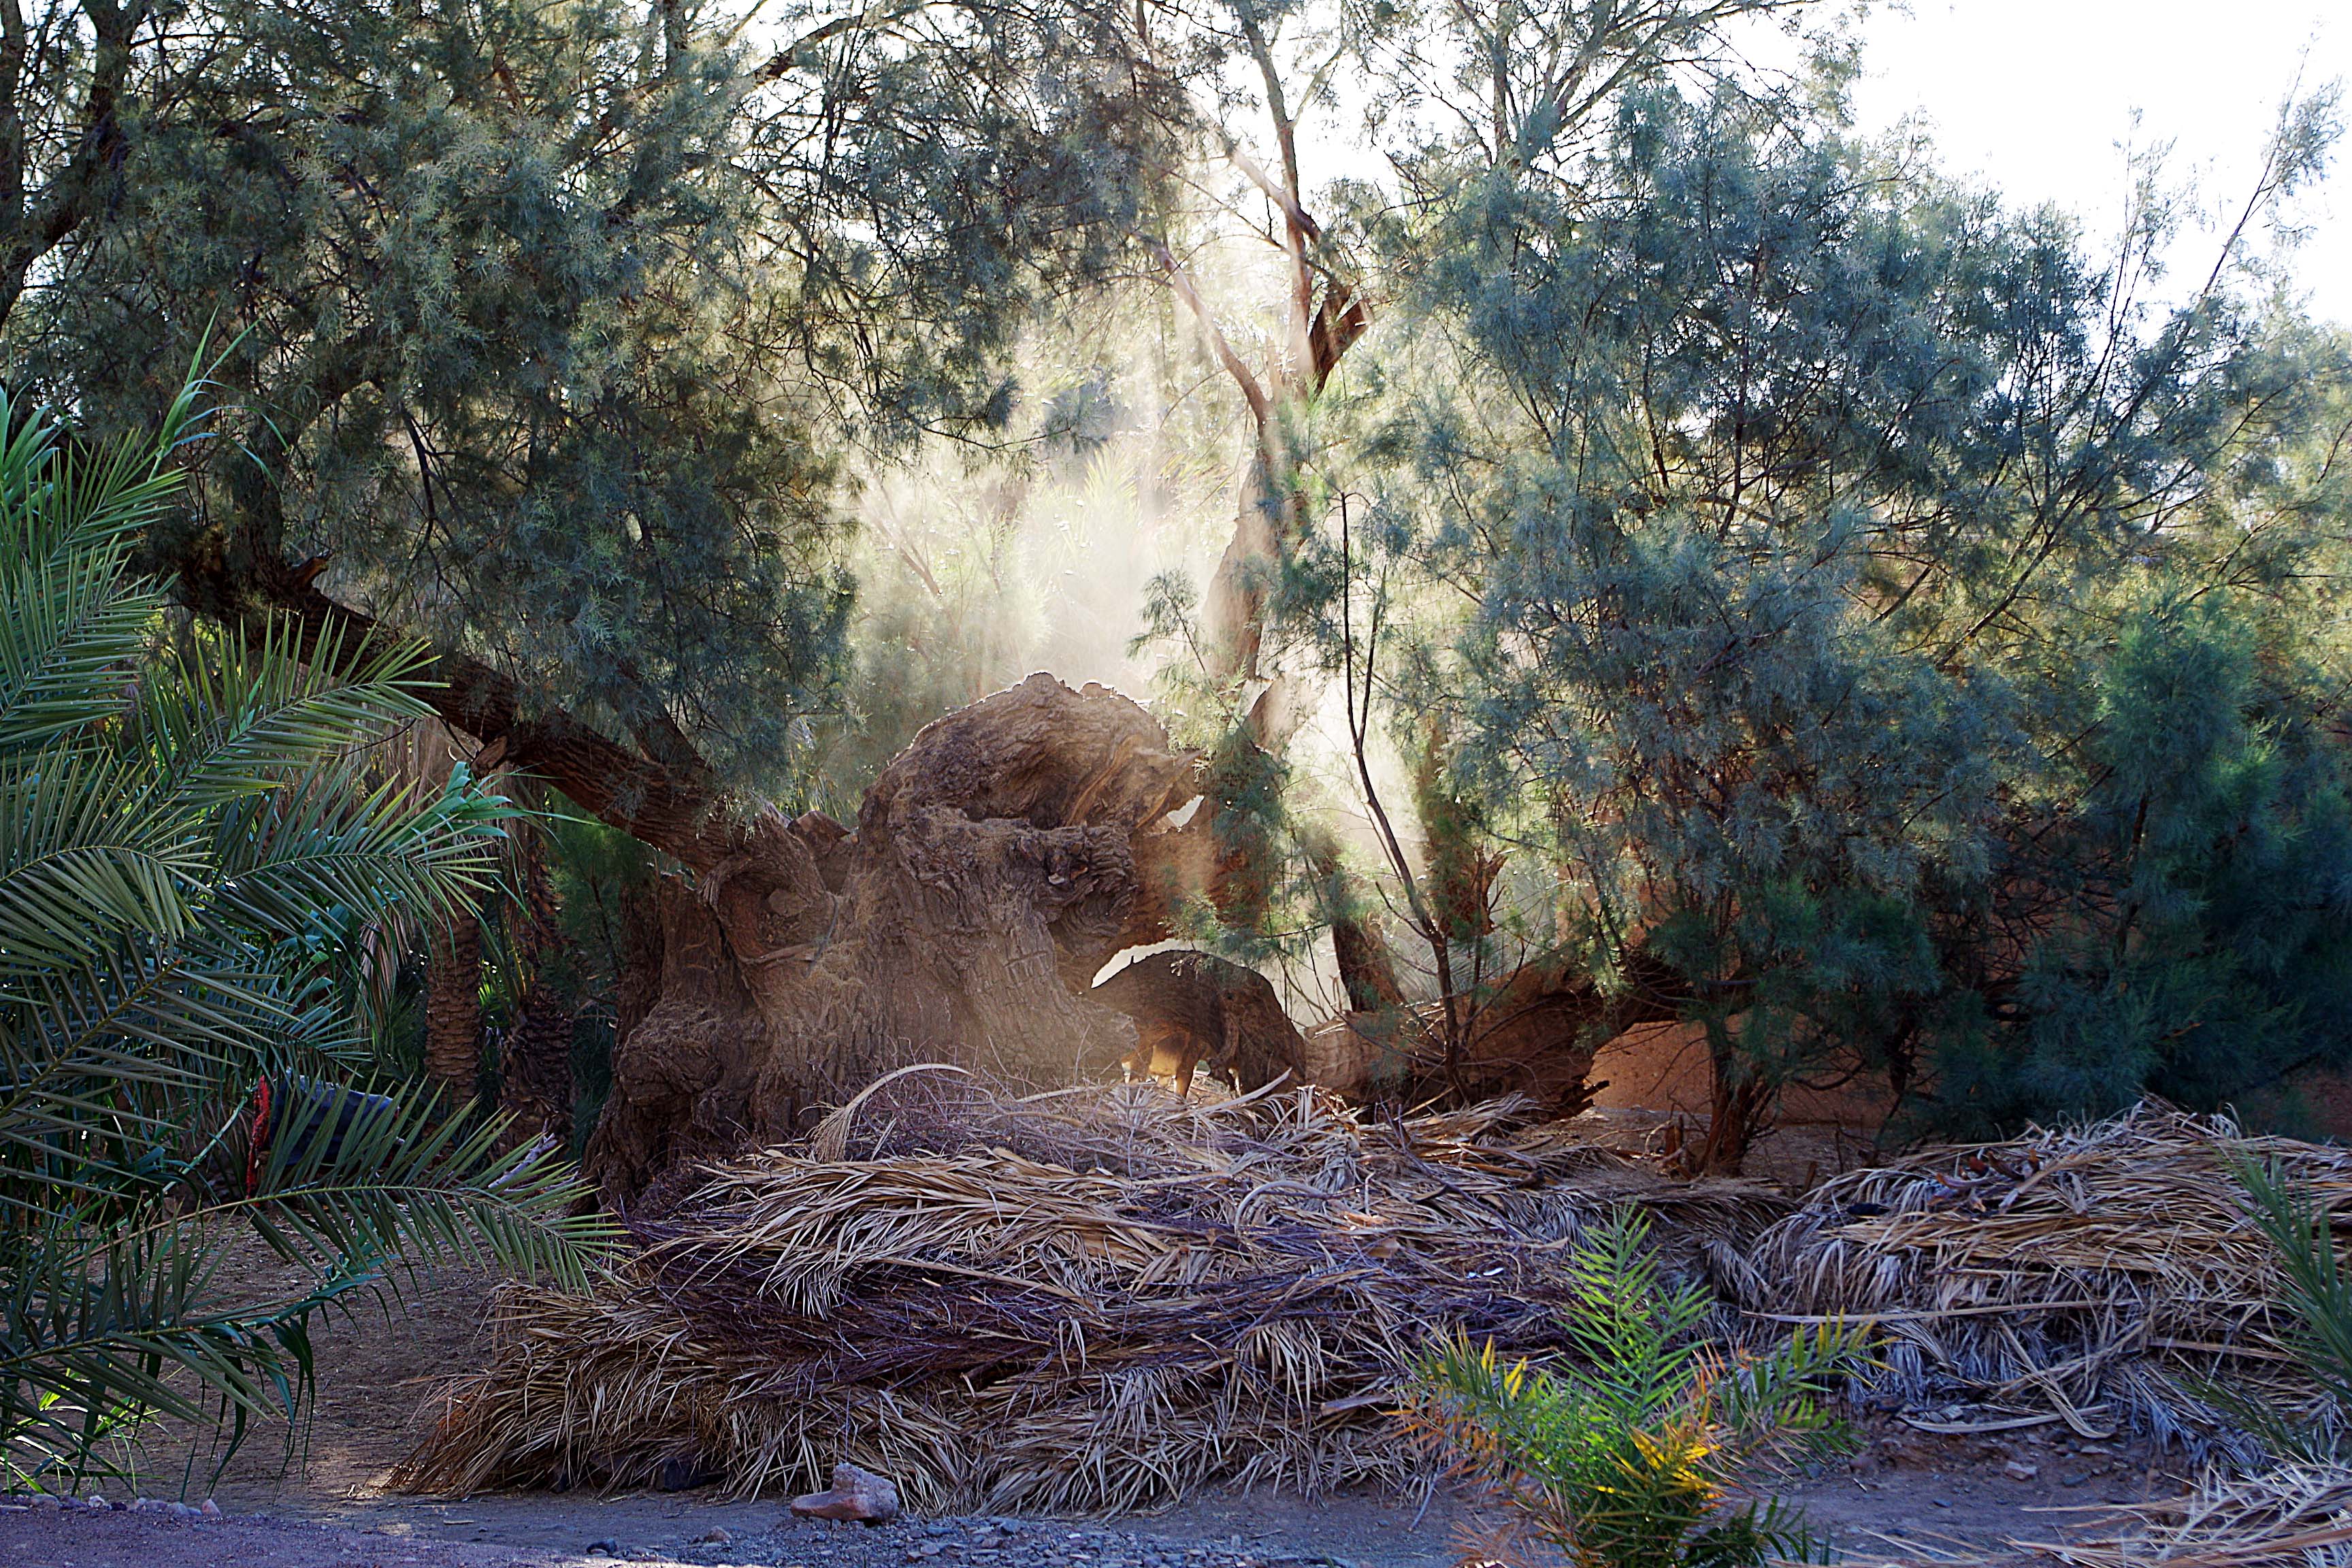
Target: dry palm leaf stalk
{"x": 1093, "y": 1300}
{"x": 2094, "y": 1276}
{"x": 2293, "y": 1516}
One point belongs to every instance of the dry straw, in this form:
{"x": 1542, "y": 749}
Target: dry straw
{"x": 2095, "y": 1276}
{"x": 1088, "y": 1301}
{"x": 2293, "y": 1516}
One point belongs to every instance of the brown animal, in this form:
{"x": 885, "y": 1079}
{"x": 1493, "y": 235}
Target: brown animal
{"x": 1192, "y": 1008}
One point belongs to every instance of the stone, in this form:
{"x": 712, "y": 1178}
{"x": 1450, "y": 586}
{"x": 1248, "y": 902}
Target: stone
{"x": 606, "y": 1548}
{"x": 716, "y": 1535}
{"x": 2018, "y": 1470}
{"x": 210, "y": 1510}
{"x": 855, "y": 1494}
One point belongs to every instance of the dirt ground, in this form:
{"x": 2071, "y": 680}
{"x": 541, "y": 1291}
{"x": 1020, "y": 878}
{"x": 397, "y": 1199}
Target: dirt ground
{"x": 1910, "y": 1495}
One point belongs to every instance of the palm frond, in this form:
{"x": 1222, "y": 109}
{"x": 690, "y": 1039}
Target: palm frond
{"x": 323, "y": 841}
{"x": 1624, "y": 1458}
{"x": 88, "y": 851}
{"x": 232, "y": 715}
{"x": 388, "y": 1174}
{"x": 187, "y": 839}
{"x": 69, "y": 634}
{"x": 94, "y": 1341}
{"x": 72, "y": 619}
{"x": 124, "y": 1047}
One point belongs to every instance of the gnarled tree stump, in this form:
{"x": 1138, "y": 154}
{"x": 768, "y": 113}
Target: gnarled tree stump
{"x": 998, "y": 862}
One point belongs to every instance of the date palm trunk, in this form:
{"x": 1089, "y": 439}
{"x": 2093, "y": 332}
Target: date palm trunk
{"x": 453, "y": 1008}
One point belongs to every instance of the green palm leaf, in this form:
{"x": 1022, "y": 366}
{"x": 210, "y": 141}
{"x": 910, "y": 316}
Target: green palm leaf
{"x": 72, "y": 619}
{"x": 320, "y": 842}
{"x": 183, "y": 823}
{"x": 89, "y": 850}
{"x": 1624, "y": 1457}
{"x": 231, "y": 716}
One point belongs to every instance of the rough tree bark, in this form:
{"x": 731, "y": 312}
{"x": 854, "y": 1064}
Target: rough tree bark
{"x": 535, "y": 1053}
{"x": 998, "y": 862}
{"x": 996, "y": 865}
{"x": 453, "y": 1008}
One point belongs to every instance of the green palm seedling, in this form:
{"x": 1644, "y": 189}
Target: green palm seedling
{"x": 190, "y": 842}
{"x": 1629, "y": 1458}
{"x": 2315, "y": 1293}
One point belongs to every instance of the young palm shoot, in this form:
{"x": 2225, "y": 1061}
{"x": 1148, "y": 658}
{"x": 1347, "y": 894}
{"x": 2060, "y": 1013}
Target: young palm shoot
{"x": 2317, "y": 1293}
{"x": 1629, "y": 1458}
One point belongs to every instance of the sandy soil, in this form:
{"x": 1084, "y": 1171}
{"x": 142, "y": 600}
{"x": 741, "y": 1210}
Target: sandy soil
{"x": 1909, "y": 1496}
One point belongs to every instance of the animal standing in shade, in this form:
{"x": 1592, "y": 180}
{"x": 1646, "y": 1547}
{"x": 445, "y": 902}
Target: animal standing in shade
{"x": 1194, "y": 1007}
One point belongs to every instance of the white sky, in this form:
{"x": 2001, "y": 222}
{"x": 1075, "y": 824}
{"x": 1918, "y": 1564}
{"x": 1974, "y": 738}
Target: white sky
{"x": 2038, "y": 97}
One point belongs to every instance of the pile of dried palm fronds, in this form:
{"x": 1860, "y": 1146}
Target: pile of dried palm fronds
{"x": 1084, "y": 1302}
{"x": 2096, "y": 1275}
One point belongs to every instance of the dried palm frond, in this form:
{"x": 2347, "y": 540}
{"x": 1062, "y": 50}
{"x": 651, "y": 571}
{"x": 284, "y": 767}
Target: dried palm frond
{"x": 1090, "y": 1301}
{"x": 2293, "y": 1516}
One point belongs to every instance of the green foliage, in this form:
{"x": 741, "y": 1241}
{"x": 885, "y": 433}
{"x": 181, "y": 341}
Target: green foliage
{"x": 2317, "y": 1296}
{"x": 553, "y": 323}
{"x": 1872, "y": 611}
{"x": 603, "y": 889}
{"x": 2190, "y": 892}
{"x": 1625, "y": 1458}
{"x": 190, "y": 840}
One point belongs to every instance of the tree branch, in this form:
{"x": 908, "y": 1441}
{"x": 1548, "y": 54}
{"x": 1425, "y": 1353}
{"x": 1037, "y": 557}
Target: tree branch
{"x": 1261, "y": 408}
{"x": 40, "y": 226}
{"x": 675, "y": 805}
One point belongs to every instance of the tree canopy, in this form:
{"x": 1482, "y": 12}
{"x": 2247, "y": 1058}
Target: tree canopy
{"x": 1785, "y": 587}
{"x": 544, "y": 329}
{"x": 1874, "y": 612}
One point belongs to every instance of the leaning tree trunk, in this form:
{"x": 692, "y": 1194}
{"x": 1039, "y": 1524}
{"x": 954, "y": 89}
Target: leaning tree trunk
{"x": 998, "y": 862}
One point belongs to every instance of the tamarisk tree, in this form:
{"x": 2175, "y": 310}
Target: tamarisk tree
{"x": 1326, "y": 126}
{"x": 1910, "y": 654}
{"x": 549, "y": 326}
{"x": 545, "y": 333}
